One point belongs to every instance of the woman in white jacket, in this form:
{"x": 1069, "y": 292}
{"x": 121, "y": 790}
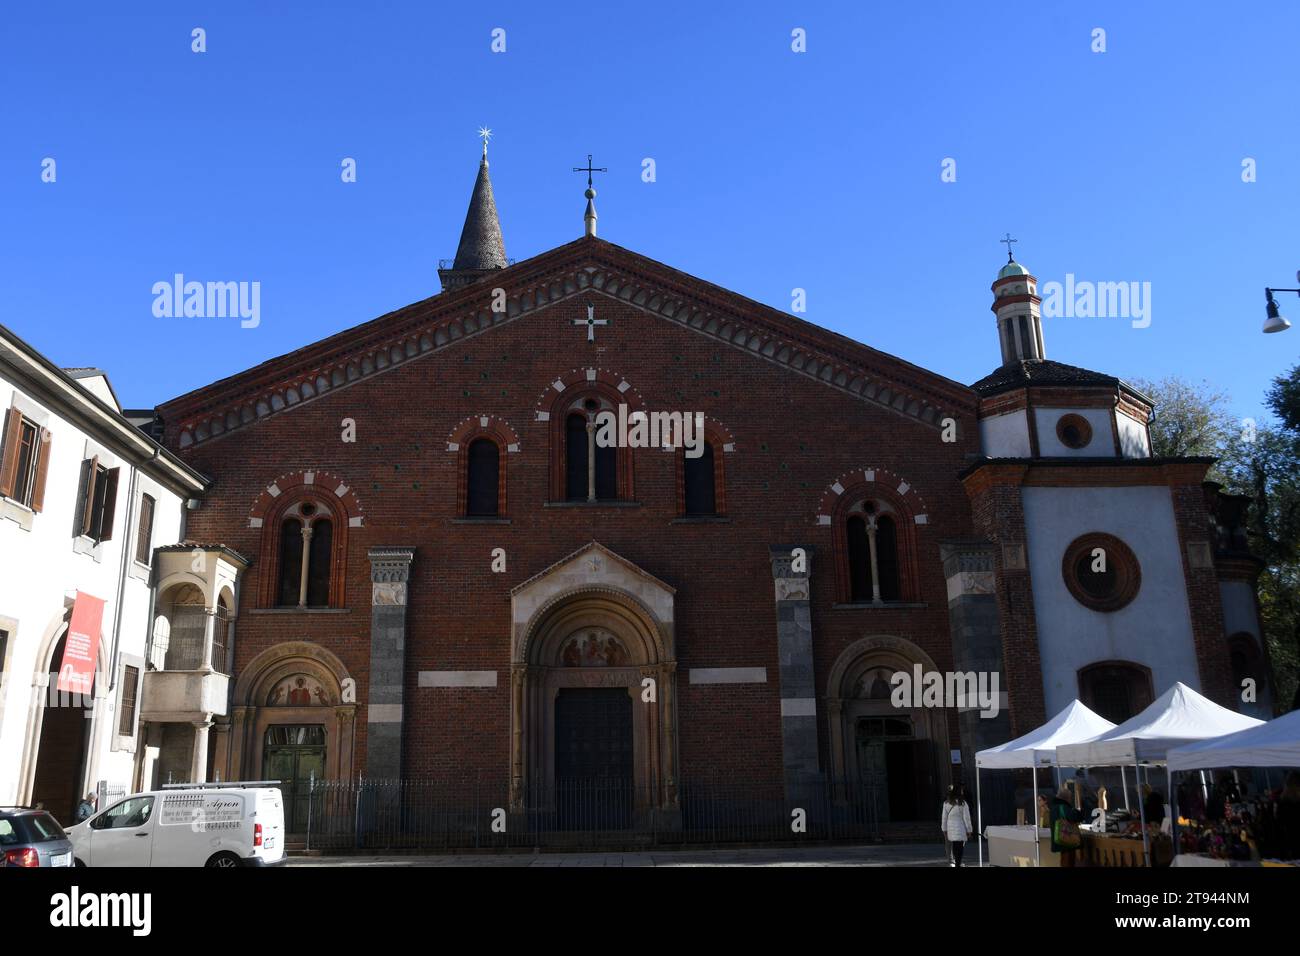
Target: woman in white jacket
{"x": 954, "y": 822}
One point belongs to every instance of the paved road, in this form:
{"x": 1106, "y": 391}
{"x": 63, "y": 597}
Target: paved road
{"x": 877, "y": 855}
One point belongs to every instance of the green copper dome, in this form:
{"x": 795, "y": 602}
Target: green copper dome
{"x": 1013, "y": 269}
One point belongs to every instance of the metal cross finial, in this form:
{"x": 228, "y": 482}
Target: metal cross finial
{"x": 589, "y": 169}
{"x": 1008, "y": 240}
{"x": 591, "y": 322}
{"x": 486, "y": 133}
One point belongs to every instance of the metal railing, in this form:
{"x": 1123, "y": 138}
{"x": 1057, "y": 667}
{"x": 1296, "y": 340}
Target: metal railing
{"x": 425, "y": 814}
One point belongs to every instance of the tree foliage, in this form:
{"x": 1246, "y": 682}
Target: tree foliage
{"x": 1262, "y": 461}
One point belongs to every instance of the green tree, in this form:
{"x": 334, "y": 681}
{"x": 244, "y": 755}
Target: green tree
{"x": 1262, "y": 461}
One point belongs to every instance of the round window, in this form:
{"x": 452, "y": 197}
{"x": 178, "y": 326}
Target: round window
{"x": 1101, "y": 571}
{"x": 1074, "y": 431}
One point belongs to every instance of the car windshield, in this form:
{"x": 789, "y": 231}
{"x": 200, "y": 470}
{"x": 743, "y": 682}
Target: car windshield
{"x": 8, "y": 835}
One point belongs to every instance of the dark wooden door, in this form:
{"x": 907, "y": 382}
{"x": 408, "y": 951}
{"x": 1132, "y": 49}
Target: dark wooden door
{"x": 593, "y": 758}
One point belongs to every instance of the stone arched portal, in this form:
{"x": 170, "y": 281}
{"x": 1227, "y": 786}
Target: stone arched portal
{"x": 297, "y": 684}
{"x": 874, "y": 744}
{"x": 593, "y": 622}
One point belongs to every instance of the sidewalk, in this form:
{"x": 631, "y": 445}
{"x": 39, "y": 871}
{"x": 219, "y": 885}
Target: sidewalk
{"x": 876, "y": 855}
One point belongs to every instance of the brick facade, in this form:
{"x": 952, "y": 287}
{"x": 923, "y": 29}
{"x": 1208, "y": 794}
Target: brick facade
{"x": 798, "y": 413}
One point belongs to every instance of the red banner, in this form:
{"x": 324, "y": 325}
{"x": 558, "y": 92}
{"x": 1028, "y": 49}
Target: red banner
{"x": 77, "y": 670}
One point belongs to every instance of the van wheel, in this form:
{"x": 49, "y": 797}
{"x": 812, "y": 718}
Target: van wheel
{"x": 79, "y": 862}
{"x": 223, "y": 859}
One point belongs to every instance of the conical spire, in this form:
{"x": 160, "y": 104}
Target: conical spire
{"x": 481, "y": 246}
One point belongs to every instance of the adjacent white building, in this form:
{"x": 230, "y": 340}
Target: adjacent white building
{"x": 86, "y": 499}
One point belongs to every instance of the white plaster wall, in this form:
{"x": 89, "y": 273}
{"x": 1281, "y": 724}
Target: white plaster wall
{"x": 1103, "y": 435}
{"x": 1134, "y": 439}
{"x": 1005, "y": 436}
{"x": 1154, "y": 630}
{"x": 40, "y": 570}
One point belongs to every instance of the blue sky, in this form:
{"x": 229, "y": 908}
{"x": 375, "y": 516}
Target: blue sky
{"x": 775, "y": 170}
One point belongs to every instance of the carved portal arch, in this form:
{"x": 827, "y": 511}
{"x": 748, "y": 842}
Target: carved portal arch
{"x": 859, "y": 703}
{"x": 593, "y": 621}
{"x": 295, "y": 683}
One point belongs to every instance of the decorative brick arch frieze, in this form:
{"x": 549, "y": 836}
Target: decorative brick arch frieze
{"x": 577, "y": 270}
{"x": 911, "y": 517}
{"x": 552, "y": 407}
{"x": 472, "y": 426}
{"x": 471, "y": 429}
{"x": 323, "y": 488}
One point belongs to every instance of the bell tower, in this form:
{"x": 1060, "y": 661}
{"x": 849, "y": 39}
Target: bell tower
{"x": 1017, "y": 306}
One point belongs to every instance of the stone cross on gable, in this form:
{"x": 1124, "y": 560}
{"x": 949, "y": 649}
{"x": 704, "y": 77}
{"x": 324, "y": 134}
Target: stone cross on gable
{"x": 591, "y": 322}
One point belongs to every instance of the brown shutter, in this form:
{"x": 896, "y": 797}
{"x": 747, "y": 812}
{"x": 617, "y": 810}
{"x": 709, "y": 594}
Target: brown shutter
{"x": 9, "y": 461}
{"x": 90, "y": 468}
{"x": 42, "y": 465}
{"x": 110, "y": 505}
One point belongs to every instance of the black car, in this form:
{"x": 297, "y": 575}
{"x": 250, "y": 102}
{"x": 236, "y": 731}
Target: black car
{"x": 31, "y": 837}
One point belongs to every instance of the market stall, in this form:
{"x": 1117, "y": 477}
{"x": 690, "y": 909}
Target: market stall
{"x": 1259, "y": 829}
{"x": 1180, "y": 716}
{"x": 1011, "y": 845}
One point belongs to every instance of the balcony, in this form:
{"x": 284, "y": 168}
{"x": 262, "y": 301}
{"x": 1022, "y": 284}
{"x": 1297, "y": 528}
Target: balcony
{"x": 179, "y": 696}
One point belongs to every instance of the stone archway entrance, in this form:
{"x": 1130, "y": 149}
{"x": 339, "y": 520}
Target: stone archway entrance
{"x": 893, "y": 756}
{"x": 293, "y": 719}
{"x": 593, "y": 712}
{"x": 58, "y": 763}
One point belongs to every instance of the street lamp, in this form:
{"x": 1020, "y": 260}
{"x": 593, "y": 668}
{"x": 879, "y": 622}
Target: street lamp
{"x": 1275, "y": 321}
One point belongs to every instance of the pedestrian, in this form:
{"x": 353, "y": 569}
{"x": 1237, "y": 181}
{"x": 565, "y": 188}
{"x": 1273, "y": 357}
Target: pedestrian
{"x": 86, "y": 808}
{"x": 1066, "y": 838}
{"x": 954, "y": 822}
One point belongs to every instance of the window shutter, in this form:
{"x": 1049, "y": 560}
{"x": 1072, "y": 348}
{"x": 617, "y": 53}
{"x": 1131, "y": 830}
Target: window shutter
{"x": 9, "y": 461}
{"x": 110, "y": 505}
{"x": 42, "y": 465}
{"x": 90, "y": 467}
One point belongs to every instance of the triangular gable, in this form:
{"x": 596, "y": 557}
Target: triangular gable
{"x": 582, "y": 267}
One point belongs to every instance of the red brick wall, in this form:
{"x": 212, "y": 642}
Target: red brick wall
{"x": 794, "y": 437}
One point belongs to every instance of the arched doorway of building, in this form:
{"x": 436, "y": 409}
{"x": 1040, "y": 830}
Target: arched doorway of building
{"x": 293, "y": 720}
{"x": 62, "y": 733}
{"x": 887, "y": 757}
{"x": 594, "y": 707}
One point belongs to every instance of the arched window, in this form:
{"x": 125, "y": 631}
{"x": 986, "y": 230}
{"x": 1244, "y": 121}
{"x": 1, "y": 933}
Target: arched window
{"x": 887, "y": 557}
{"x": 318, "y": 567}
{"x": 290, "y": 562}
{"x": 1117, "y": 690}
{"x": 483, "y": 479}
{"x": 700, "y": 483}
{"x": 306, "y": 557}
{"x": 859, "y": 559}
{"x": 590, "y": 470}
{"x": 871, "y": 546}
{"x": 575, "y": 458}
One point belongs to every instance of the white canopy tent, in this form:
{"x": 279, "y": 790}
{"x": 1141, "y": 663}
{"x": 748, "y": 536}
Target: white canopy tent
{"x": 1178, "y": 717}
{"x": 1075, "y": 724}
{"x": 1274, "y": 744}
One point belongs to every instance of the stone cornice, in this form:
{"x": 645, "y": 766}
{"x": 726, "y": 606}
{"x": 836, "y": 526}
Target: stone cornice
{"x": 579, "y": 268}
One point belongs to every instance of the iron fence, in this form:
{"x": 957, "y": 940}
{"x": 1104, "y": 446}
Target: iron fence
{"x": 426, "y": 814}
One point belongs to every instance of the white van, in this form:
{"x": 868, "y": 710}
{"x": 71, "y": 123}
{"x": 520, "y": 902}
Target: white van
{"x": 221, "y": 825}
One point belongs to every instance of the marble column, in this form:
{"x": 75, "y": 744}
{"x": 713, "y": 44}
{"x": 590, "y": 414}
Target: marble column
{"x": 968, "y": 567}
{"x": 390, "y": 571}
{"x": 794, "y": 646}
